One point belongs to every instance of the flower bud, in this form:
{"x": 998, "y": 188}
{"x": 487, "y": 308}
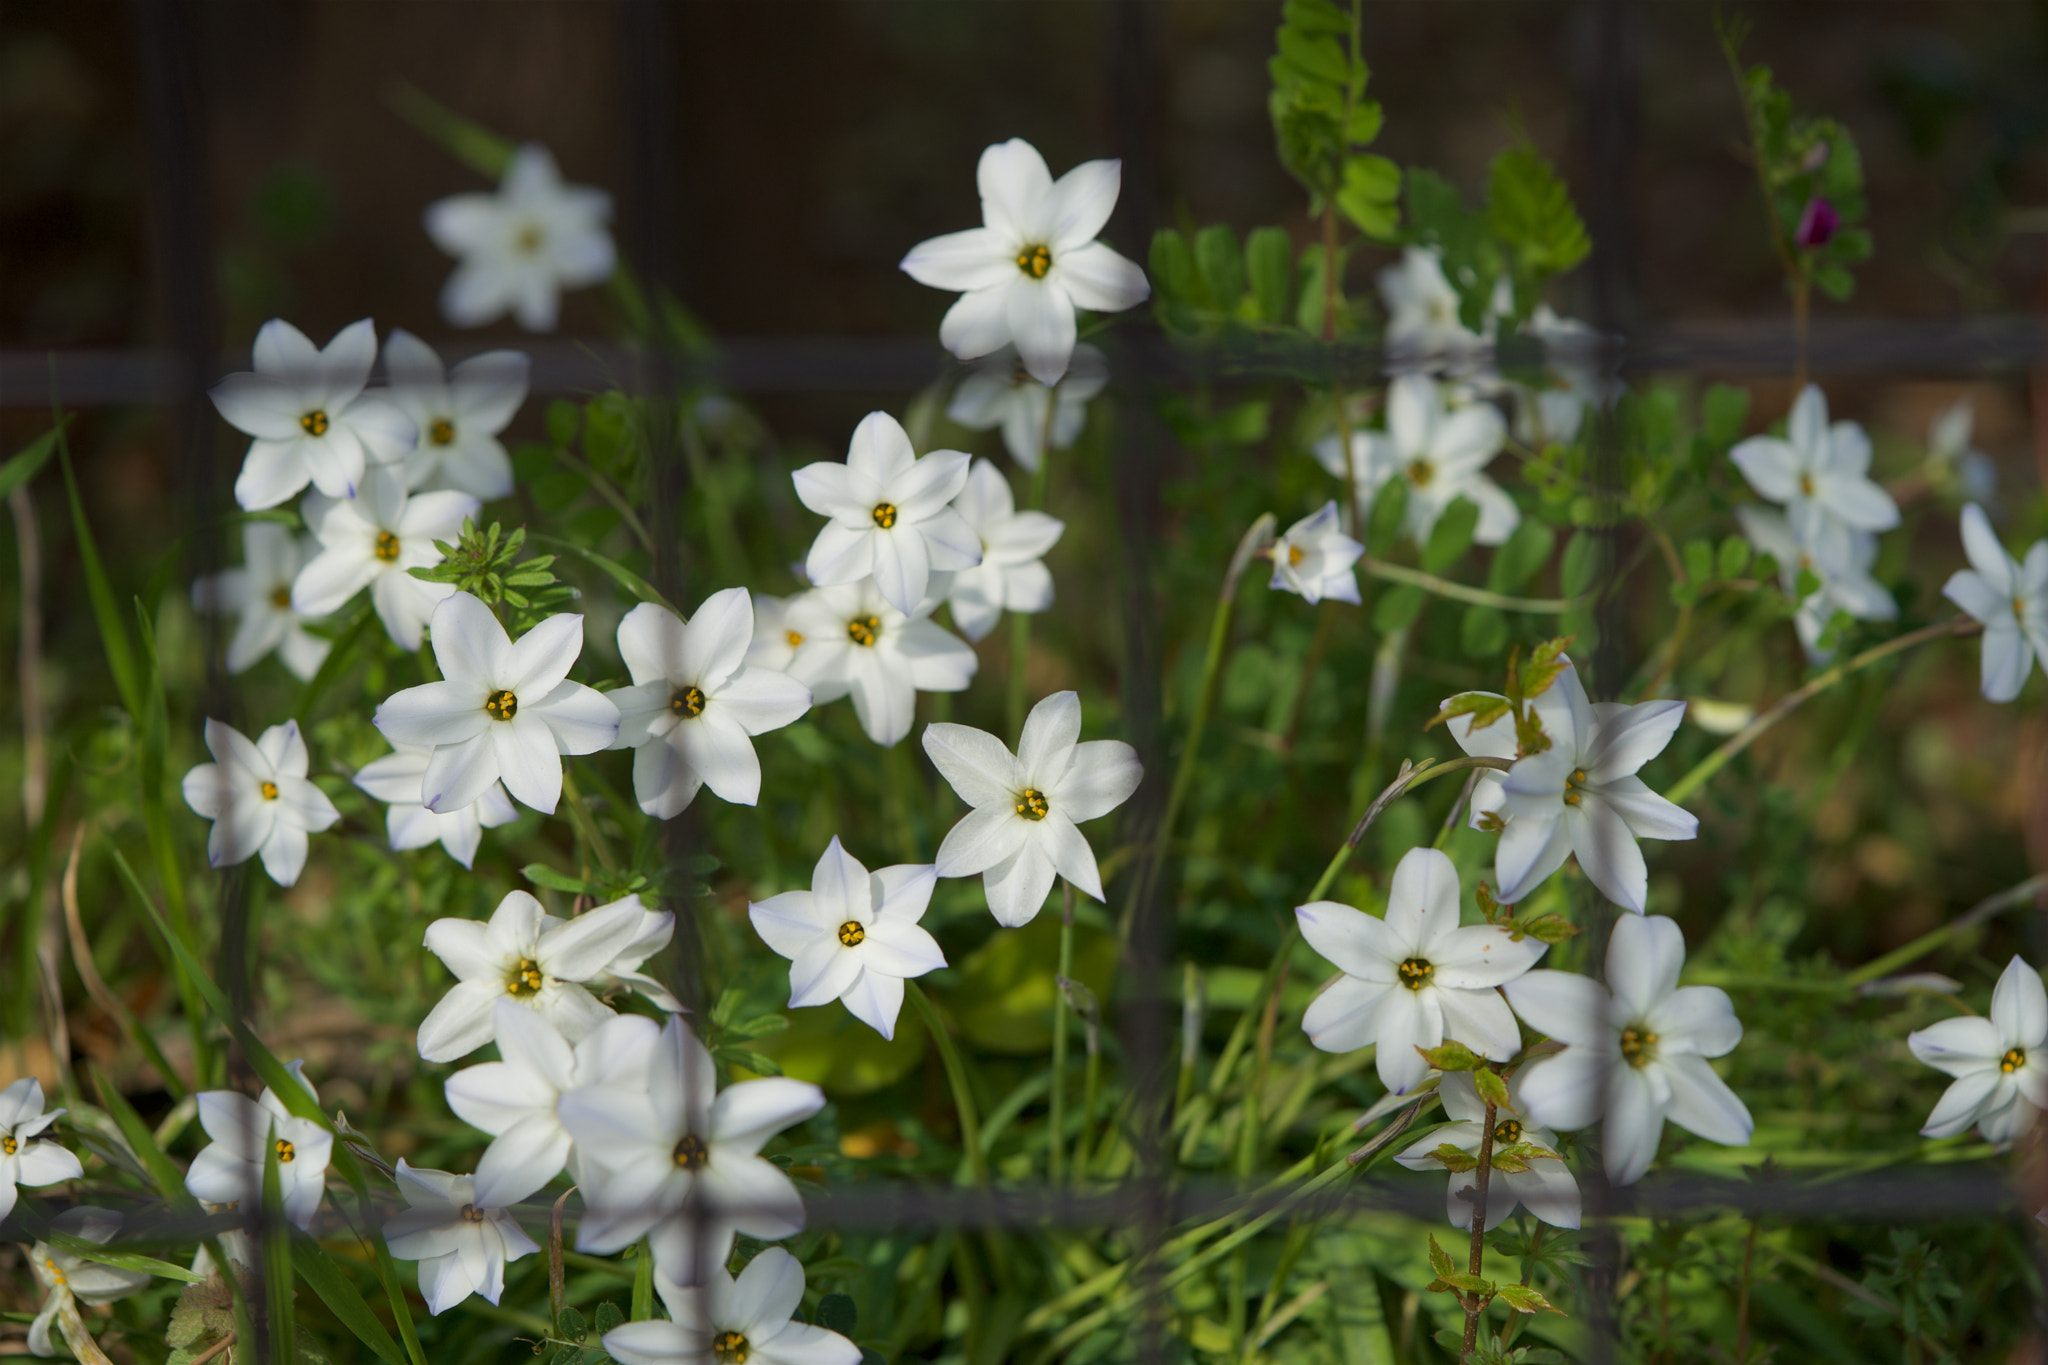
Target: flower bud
{"x": 1817, "y": 224}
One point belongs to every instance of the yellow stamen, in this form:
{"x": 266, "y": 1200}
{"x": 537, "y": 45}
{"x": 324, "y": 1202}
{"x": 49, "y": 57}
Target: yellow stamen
{"x": 314, "y": 423}
{"x": 851, "y": 934}
{"x": 269, "y": 790}
{"x": 524, "y": 980}
{"x": 1415, "y": 972}
{"x": 885, "y": 514}
{"x": 1638, "y": 1046}
{"x": 2013, "y": 1060}
{"x": 688, "y": 702}
{"x": 529, "y": 239}
{"x": 729, "y": 1348}
{"x": 864, "y": 630}
{"x": 1420, "y": 472}
{"x": 794, "y": 637}
{"x": 387, "y": 546}
{"x": 441, "y": 432}
{"x": 501, "y": 705}
{"x": 281, "y": 596}
{"x": 286, "y": 1153}
{"x": 1035, "y": 260}
{"x": 1031, "y": 804}
{"x": 8, "y": 1146}
{"x": 1507, "y": 1131}
{"x": 691, "y": 1152}
{"x": 472, "y": 1214}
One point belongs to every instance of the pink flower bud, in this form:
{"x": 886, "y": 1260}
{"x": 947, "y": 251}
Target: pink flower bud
{"x": 1817, "y": 225}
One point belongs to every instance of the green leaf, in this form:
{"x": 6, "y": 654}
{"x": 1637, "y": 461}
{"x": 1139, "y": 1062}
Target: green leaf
{"x": 1316, "y": 16}
{"x": 1581, "y": 563}
{"x": 1484, "y": 631}
{"x": 1440, "y": 1262}
{"x": 1523, "y": 1299}
{"x": 1733, "y": 558}
{"x": 1222, "y": 265}
{"x": 1484, "y": 707}
{"x": 469, "y": 142}
{"x": 1269, "y": 265}
{"x": 334, "y": 1289}
{"x": 121, "y": 1260}
{"x": 1451, "y": 537}
{"x": 1530, "y": 211}
{"x": 1316, "y": 55}
{"x": 22, "y": 467}
{"x": 1451, "y": 1056}
{"x": 1370, "y": 196}
{"x": 639, "y": 587}
{"x": 1383, "y": 521}
{"x": 609, "y": 1317}
{"x": 1520, "y": 556}
{"x": 1397, "y": 608}
{"x": 570, "y": 1326}
{"x": 105, "y": 607}
{"x": 1492, "y": 1089}
{"x": 837, "y": 1313}
{"x": 279, "y": 1283}
{"x": 540, "y": 874}
{"x": 1699, "y": 561}
{"x": 565, "y": 421}
{"x": 1456, "y": 1160}
{"x": 1173, "y": 267}
{"x": 163, "y": 1172}
{"x": 1723, "y": 413}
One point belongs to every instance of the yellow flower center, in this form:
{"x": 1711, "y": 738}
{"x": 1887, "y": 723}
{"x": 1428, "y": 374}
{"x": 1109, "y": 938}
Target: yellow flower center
{"x": 794, "y": 637}
{"x": 441, "y": 432}
{"x": 529, "y": 239}
{"x": 8, "y": 1146}
{"x": 864, "y": 630}
{"x": 729, "y": 1348}
{"x": 281, "y": 596}
{"x": 1415, "y": 972}
{"x": 689, "y": 702}
{"x": 1507, "y": 1131}
{"x": 314, "y": 423}
{"x": 1035, "y": 260}
{"x": 2013, "y": 1060}
{"x": 269, "y": 790}
{"x": 1293, "y": 554}
{"x": 1638, "y": 1046}
{"x": 56, "y": 1275}
{"x": 524, "y": 979}
{"x": 387, "y": 546}
{"x": 1572, "y": 794}
{"x": 1806, "y": 485}
{"x": 472, "y": 1214}
{"x": 885, "y": 514}
{"x": 286, "y": 1153}
{"x": 501, "y": 705}
{"x": 691, "y": 1152}
{"x": 1031, "y": 804}
{"x": 851, "y": 934}
{"x": 1420, "y": 472}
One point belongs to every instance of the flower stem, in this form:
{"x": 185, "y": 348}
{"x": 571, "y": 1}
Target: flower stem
{"x": 1460, "y": 592}
{"x": 643, "y": 1283}
{"x": 586, "y": 827}
{"x": 956, "y": 1077}
{"x": 1792, "y": 701}
{"x": 1477, "y": 1260}
{"x": 1020, "y": 622}
{"x": 1742, "y": 1294}
{"x": 1928, "y": 942}
{"x": 1056, "y": 1152}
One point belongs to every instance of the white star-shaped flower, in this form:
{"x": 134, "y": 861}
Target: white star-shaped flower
{"x": 855, "y": 644}
{"x": 1032, "y": 262}
{"x": 2000, "y": 1064}
{"x": 1022, "y": 832}
{"x": 1636, "y": 1057}
{"x": 373, "y": 541}
{"x": 1553, "y": 412}
{"x": 2010, "y": 597}
{"x": 458, "y": 413}
{"x": 1440, "y": 453}
{"x": 68, "y": 1280}
{"x": 891, "y": 513}
{"x": 524, "y": 954}
{"x": 724, "y": 1320}
{"x": 523, "y": 245}
{"x": 462, "y": 1246}
{"x": 1581, "y": 795}
{"x": 258, "y": 798}
{"x": 657, "y": 928}
{"x": 514, "y": 1099}
{"x": 245, "y": 1132}
{"x": 1843, "y": 587}
{"x": 1546, "y": 1189}
{"x": 1313, "y": 558}
{"x": 1820, "y": 475}
{"x": 695, "y": 703}
{"x": 1415, "y": 978}
{"x": 774, "y": 644}
{"x": 259, "y": 596}
{"x": 668, "y": 1156}
{"x": 1422, "y": 311}
{"x": 309, "y": 416}
{"x": 1012, "y": 575}
{"x": 25, "y": 1158}
{"x": 1953, "y": 457}
{"x": 854, "y": 936}
{"x": 1033, "y": 418}
{"x": 398, "y": 779}
{"x": 504, "y": 711}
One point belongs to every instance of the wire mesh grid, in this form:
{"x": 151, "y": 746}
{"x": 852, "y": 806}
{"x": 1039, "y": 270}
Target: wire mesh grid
{"x": 1152, "y": 1201}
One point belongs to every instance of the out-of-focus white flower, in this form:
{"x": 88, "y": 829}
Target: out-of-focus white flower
{"x": 774, "y": 644}
{"x": 462, "y": 1246}
{"x": 1034, "y": 418}
{"x": 1546, "y": 1189}
{"x": 657, "y": 928}
{"x": 1954, "y": 459}
{"x": 25, "y": 1158}
{"x": 1422, "y": 314}
{"x": 245, "y": 1132}
{"x": 520, "y": 247}
{"x": 373, "y": 541}
{"x": 259, "y": 596}
{"x": 1440, "y": 453}
{"x": 854, "y": 936}
{"x": 309, "y": 416}
{"x": 514, "y": 1100}
{"x": 1022, "y": 832}
{"x": 2010, "y": 598}
{"x": 1415, "y": 978}
{"x": 258, "y": 798}
{"x": 855, "y": 644}
{"x": 1313, "y": 558}
{"x": 890, "y": 514}
{"x": 667, "y": 1156}
{"x": 1555, "y": 411}
{"x": 459, "y": 414}
{"x": 504, "y": 711}
{"x": 1636, "y": 1057}
{"x": 1847, "y": 586}
{"x": 2000, "y": 1064}
{"x": 1820, "y": 474}
{"x": 695, "y": 703}
{"x": 1581, "y": 795}
{"x": 398, "y": 779}
{"x": 1032, "y": 262}
{"x": 724, "y": 1321}
{"x": 68, "y": 1279}
{"x": 524, "y": 954}
{"x": 1012, "y": 575}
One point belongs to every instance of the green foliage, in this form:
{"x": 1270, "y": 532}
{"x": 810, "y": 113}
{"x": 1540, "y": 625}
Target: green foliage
{"x": 492, "y": 568}
{"x": 1527, "y": 231}
{"x": 1322, "y": 120}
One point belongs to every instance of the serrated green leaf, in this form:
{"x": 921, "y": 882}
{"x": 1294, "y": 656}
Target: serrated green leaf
{"x": 1456, "y": 1160}
{"x": 1440, "y": 1262}
{"x": 1484, "y": 707}
{"x": 1451, "y": 1055}
{"x": 1523, "y": 1299}
{"x": 1530, "y": 211}
{"x": 1492, "y": 1089}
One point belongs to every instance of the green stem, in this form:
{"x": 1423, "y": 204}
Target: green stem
{"x": 1056, "y": 1152}
{"x": 586, "y": 827}
{"x": 1476, "y": 1261}
{"x": 1792, "y": 701}
{"x": 1928, "y": 942}
{"x": 1020, "y": 622}
{"x": 1444, "y": 587}
{"x": 956, "y": 1077}
{"x": 643, "y": 1283}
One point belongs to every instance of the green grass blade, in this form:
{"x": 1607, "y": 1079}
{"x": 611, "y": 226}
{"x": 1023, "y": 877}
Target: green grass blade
{"x": 619, "y": 573}
{"x": 326, "y": 1279}
{"x": 122, "y": 1260}
{"x": 163, "y": 1172}
{"x": 278, "y": 1277}
{"x": 24, "y": 466}
{"x": 105, "y": 609}
{"x": 156, "y": 818}
{"x": 341, "y": 658}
